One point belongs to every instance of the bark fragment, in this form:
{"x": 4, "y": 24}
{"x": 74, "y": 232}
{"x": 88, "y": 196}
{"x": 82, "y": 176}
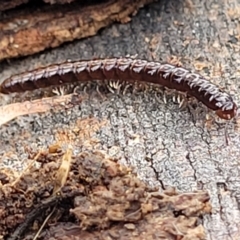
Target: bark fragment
{"x": 33, "y": 29}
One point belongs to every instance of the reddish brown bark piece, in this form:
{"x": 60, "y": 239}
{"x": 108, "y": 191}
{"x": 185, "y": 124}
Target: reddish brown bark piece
{"x": 50, "y": 26}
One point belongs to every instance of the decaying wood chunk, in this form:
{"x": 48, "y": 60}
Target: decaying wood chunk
{"x": 105, "y": 198}
{"x": 32, "y": 30}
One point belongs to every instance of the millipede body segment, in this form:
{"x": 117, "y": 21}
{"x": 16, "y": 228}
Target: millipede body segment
{"x": 130, "y": 70}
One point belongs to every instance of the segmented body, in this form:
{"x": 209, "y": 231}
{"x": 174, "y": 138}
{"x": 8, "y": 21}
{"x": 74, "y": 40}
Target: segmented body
{"x": 126, "y": 69}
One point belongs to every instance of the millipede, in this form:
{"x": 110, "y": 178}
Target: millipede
{"x": 126, "y": 70}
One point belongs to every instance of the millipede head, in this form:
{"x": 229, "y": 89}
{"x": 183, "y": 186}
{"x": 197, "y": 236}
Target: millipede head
{"x": 228, "y": 112}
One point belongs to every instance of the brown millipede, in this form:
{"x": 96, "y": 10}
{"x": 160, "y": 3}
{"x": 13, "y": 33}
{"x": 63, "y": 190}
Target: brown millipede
{"x": 126, "y": 69}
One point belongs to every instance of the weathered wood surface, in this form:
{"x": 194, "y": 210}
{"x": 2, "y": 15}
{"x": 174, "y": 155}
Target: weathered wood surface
{"x": 159, "y": 140}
